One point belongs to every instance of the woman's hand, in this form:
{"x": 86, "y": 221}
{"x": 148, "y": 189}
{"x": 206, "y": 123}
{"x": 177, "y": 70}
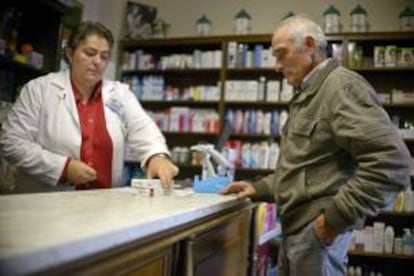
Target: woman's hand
{"x": 80, "y": 173}
{"x": 161, "y": 166}
{"x": 243, "y": 189}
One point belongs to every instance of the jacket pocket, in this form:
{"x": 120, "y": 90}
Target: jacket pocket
{"x": 300, "y": 143}
{"x": 304, "y": 127}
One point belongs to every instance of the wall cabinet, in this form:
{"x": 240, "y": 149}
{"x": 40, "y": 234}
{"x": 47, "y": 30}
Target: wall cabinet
{"x": 38, "y": 23}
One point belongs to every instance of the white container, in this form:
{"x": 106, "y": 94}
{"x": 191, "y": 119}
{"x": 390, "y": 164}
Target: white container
{"x": 350, "y": 271}
{"x": 398, "y": 246}
{"x": 261, "y": 89}
{"x": 273, "y": 155}
{"x": 283, "y": 117}
{"x": 378, "y": 237}
{"x": 409, "y": 201}
{"x": 389, "y": 239}
{"x": 358, "y": 271}
{"x": 246, "y": 155}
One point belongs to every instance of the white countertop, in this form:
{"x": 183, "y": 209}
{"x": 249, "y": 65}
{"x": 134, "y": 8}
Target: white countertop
{"x": 41, "y": 230}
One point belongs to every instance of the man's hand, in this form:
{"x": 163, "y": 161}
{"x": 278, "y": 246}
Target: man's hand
{"x": 162, "y": 167}
{"x": 243, "y": 189}
{"x": 80, "y": 173}
{"x": 326, "y": 232}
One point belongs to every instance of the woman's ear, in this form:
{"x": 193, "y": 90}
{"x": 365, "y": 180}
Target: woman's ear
{"x": 68, "y": 54}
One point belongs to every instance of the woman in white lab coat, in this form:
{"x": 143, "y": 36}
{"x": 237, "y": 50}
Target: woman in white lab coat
{"x": 72, "y": 128}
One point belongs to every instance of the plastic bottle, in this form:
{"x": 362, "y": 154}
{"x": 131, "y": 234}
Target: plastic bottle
{"x": 266, "y": 123}
{"x": 261, "y": 89}
{"x": 378, "y": 236}
{"x": 246, "y": 120}
{"x": 259, "y": 122}
{"x": 389, "y": 239}
{"x": 407, "y": 243}
{"x": 274, "y": 125}
{"x": 264, "y": 155}
{"x": 135, "y": 87}
{"x": 283, "y": 117}
{"x": 358, "y": 271}
{"x": 273, "y": 155}
{"x": 399, "y": 202}
{"x": 398, "y": 246}
{"x": 350, "y": 271}
{"x": 246, "y": 155}
{"x": 411, "y": 245}
{"x": 409, "y": 200}
{"x": 238, "y": 121}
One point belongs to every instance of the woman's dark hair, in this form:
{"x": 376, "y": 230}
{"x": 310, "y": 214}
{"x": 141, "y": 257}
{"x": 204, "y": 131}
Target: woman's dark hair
{"x": 84, "y": 30}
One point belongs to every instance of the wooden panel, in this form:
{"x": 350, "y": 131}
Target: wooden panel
{"x": 223, "y": 250}
{"x": 131, "y": 262}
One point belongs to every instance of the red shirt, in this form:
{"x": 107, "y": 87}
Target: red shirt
{"x": 96, "y": 147}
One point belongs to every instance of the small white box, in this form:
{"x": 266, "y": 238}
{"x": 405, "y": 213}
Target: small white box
{"x": 391, "y": 56}
{"x": 384, "y": 97}
{"x": 149, "y": 187}
{"x": 379, "y": 56}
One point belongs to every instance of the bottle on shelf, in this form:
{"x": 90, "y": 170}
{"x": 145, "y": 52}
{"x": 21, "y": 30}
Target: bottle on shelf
{"x": 408, "y": 242}
{"x": 262, "y": 86}
{"x": 389, "y": 239}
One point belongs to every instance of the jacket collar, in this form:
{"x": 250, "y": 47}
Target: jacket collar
{"x": 316, "y": 81}
{"x": 65, "y": 94}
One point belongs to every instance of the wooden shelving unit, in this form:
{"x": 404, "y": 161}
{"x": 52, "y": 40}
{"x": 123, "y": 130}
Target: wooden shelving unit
{"x": 40, "y": 24}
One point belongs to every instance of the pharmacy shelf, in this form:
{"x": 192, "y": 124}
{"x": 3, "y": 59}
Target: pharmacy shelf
{"x": 242, "y": 136}
{"x": 10, "y": 64}
{"x": 382, "y": 69}
{"x": 195, "y": 134}
{"x": 409, "y": 140}
{"x": 399, "y": 214}
{"x": 155, "y": 104}
{"x": 372, "y": 36}
{"x": 255, "y": 104}
{"x": 399, "y": 105}
{"x": 173, "y": 71}
{"x": 379, "y": 255}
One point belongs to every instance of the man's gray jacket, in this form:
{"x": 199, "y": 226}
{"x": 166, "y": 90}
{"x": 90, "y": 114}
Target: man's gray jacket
{"x": 339, "y": 154}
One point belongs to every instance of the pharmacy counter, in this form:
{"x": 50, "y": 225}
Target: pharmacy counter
{"x": 120, "y": 231}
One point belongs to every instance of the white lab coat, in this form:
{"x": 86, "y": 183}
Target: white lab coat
{"x": 43, "y": 129}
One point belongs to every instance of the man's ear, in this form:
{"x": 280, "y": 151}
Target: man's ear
{"x": 310, "y": 44}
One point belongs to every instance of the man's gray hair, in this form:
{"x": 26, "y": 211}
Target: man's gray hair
{"x": 300, "y": 27}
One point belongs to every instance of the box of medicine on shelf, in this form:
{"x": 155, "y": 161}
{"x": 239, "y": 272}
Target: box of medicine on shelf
{"x": 399, "y": 96}
{"x": 34, "y": 59}
{"x": 379, "y": 56}
{"x": 407, "y": 57}
{"x": 391, "y": 56}
{"x": 384, "y": 97}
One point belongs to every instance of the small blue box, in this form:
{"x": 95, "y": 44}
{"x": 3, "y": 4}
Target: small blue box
{"x": 210, "y": 185}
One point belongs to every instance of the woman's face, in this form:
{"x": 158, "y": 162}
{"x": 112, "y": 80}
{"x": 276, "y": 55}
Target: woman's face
{"x": 89, "y": 60}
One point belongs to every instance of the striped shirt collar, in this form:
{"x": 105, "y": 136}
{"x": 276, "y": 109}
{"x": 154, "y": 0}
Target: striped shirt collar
{"x": 314, "y": 72}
